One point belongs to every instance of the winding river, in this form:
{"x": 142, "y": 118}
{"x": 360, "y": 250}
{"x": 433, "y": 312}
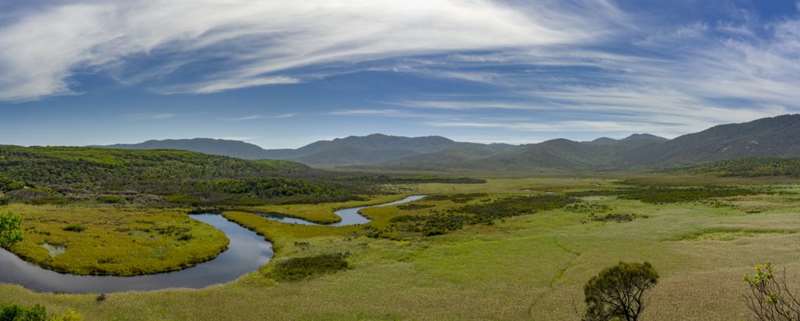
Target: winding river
{"x": 350, "y": 216}
{"x": 246, "y": 252}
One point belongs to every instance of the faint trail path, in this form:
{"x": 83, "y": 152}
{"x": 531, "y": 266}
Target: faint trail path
{"x": 559, "y": 275}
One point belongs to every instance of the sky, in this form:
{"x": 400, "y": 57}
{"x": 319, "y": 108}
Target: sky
{"x": 286, "y": 73}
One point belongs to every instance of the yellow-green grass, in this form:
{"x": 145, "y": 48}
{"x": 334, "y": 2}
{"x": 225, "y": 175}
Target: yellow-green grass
{"x": 524, "y": 268}
{"x": 322, "y": 213}
{"x": 116, "y": 241}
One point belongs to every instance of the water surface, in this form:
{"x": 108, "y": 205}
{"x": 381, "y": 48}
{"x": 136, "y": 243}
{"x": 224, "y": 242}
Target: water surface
{"x": 350, "y": 216}
{"x": 246, "y": 252}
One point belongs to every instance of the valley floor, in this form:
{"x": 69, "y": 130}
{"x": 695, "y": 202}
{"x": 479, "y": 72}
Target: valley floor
{"x": 528, "y": 267}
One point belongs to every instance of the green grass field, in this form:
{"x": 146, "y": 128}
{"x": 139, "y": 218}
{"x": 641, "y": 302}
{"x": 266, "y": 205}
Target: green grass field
{"x": 527, "y": 267}
{"x": 111, "y": 240}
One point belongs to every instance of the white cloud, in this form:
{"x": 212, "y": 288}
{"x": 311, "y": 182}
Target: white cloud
{"x": 698, "y": 80}
{"x": 257, "y": 40}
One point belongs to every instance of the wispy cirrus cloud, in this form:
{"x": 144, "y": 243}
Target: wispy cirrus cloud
{"x": 251, "y": 43}
{"x": 671, "y": 83}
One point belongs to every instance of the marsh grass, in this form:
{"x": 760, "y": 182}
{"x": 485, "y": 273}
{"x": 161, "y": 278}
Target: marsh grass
{"x": 529, "y": 267}
{"x": 115, "y": 241}
{"x": 300, "y": 268}
{"x": 730, "y": 234}
{"x": 322, "y": 213}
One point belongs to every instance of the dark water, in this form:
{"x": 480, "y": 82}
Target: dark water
{"x": 246, "y": 253}
{"x": 350, "y": 216}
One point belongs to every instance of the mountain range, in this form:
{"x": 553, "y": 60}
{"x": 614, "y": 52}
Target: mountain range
{"x": 768, "y": 137}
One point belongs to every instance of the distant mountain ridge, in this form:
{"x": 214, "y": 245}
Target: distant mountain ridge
{"x": 768, "y": 137}
{"x": 220, "y": 147}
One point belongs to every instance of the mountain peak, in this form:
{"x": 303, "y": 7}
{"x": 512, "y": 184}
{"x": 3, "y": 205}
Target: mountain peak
{"x": 640, "y": 137}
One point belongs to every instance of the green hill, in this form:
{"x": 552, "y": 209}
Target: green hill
{"x": 60, "y": 174}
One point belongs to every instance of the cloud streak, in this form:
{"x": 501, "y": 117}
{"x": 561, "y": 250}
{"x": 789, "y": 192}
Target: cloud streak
{"x": 255, "y": 42}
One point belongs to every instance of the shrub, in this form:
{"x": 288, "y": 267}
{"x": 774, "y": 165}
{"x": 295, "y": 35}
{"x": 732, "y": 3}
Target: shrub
{"x": 618, "y": 293}
{"x": 111, "y": 199}
{"x": 19, "y": 313}
{"x": 664, "y": 195}
{"x": 300, "y": 268}
{"x": 587, "y": 207}
{"x": 77, "y": 228}
{"x": 35, "y": 313}
{"x": 457, "y": 198}
{"x": 10, "y": 229}
{"x": 770, "y": 297}
{"x": 615, "y": 217}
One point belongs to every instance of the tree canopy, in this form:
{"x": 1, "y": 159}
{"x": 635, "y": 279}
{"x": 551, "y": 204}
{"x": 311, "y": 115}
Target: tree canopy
{"x": 618, "y": 292}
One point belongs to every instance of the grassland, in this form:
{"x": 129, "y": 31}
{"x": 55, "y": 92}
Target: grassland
{"x": 111, "y": 240}
{"x": 525, "y": 267}
{"x": 320, "y": 213}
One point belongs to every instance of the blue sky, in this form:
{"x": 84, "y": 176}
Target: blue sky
{"x": 286, "y": 73}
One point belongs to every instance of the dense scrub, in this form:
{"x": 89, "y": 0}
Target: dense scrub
{"x": 663, "y": 195}
{"x": 615, "y": 217}
{"x": 299, "y": 268}
{"x": 456, "y": 198}
{"x": 57, "y": 175}
{"x": 671, "y": 194}
{"x": 482, "y": 213}
{"x": 385, "y": 179}
{"x": 35, "y": 313}
{"x": 751, "y": 167}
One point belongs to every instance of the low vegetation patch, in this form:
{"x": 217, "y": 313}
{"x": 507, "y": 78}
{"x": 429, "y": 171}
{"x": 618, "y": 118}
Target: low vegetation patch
{"x": 77, "y": 228}
{"x": 442, "y": 222}
{"x": 730, "y": 234}
{"x": 300, "y": 268}
{"x": 751, "y": 167}
{"x": 456, "y": 198}
{"x": 35, "y": 313}
{"x": 587, "y": 207}
{"x": 664, "y": 195}
{"x": 616, "y": 217}
{"x": 415, "y": 207}
{"x": 114, "y": 241}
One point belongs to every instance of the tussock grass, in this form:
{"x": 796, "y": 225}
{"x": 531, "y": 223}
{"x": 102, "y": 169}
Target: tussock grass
{"x": 300, "y": 268}
{"x": 529, "y": 267}
{"x": 116, "y": 241}
{"x": 730, "y": 234}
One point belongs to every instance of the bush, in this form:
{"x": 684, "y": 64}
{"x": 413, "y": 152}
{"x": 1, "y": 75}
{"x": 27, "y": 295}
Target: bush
{"x": 618, "y": 293}
{"x": 35, "y": 313}
{"x": 111, "y": 199}
{"x": 10, "y": 229}
{"x": 615, "y": 217}
{"x": 300, "y": 268}
{"x": 770, "y": 297}
{"x": 77, "y": 228}
{"x": 19, "y": 313}
{"x": 664, "y": 195}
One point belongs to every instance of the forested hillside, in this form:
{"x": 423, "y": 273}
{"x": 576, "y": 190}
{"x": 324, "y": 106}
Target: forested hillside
{"x": 59, "y": 174}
